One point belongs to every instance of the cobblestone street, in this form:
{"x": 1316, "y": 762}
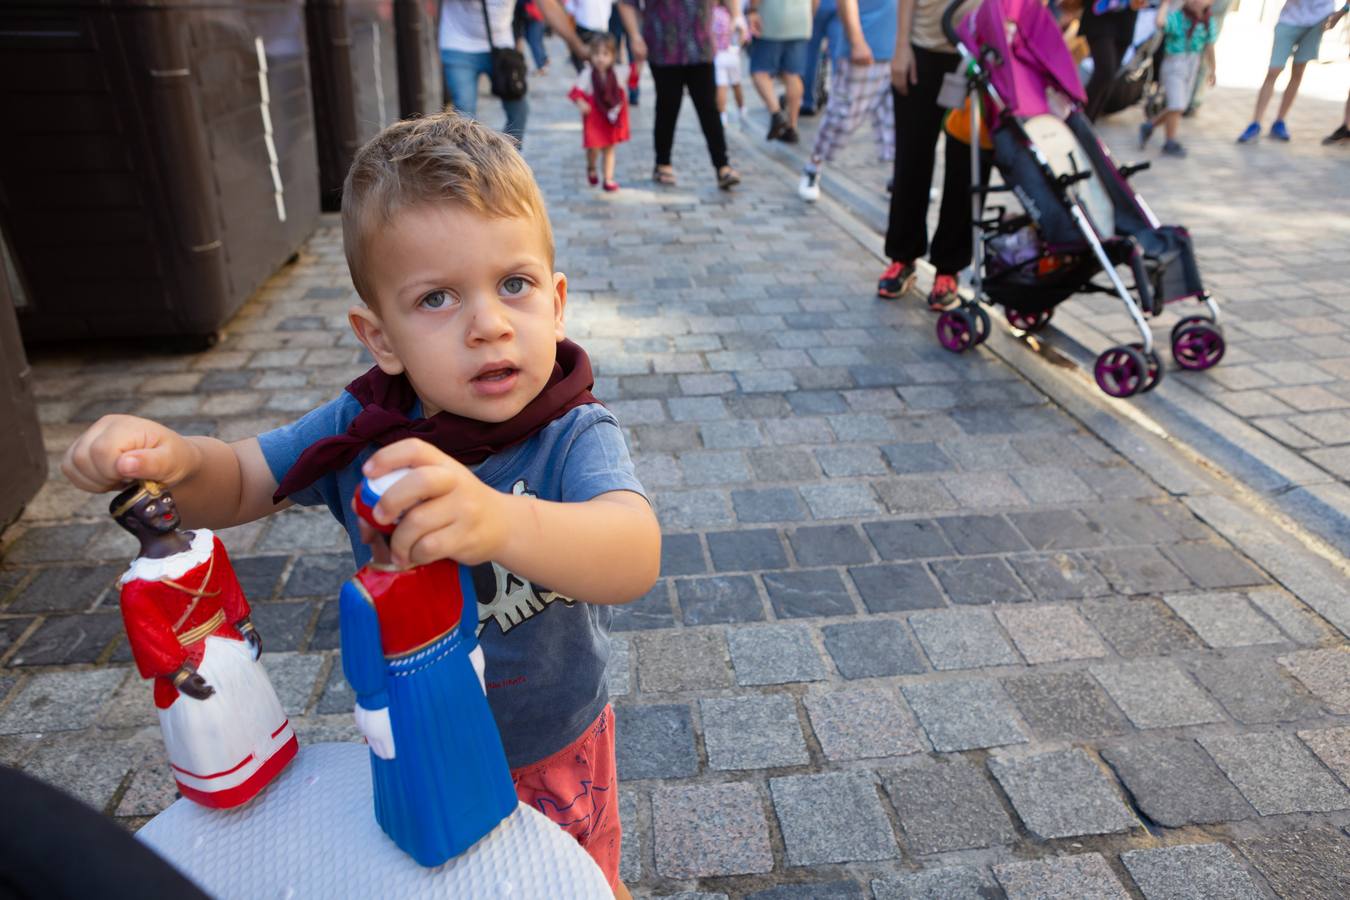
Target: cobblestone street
{"x": 919, "y": 632}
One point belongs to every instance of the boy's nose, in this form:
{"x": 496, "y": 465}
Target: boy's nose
{"x": 490, "y": 323}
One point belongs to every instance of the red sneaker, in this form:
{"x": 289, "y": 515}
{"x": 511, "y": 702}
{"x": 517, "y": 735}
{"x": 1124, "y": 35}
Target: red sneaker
{"x": 897, "y": 280}
{"x": 611, "y": 186}
{"x": 944, "y": 293}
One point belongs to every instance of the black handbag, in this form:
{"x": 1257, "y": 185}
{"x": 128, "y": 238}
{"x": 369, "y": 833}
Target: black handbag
{"x": 508, "y": 65}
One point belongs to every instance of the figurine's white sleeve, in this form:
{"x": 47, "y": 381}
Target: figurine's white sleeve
{"x": 374, "y": 724}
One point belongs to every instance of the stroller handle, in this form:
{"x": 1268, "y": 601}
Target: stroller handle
{"x": 948, "y": 27}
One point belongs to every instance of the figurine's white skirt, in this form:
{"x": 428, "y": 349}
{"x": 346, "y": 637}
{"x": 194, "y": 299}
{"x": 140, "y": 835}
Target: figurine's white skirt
{"x": 220, "y": 742}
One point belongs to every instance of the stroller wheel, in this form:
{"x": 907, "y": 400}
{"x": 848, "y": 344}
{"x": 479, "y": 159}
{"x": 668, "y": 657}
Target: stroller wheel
{"x": 980, "y": 319}
{"x": 1155, "y": 368}
{"x": 1188, "y": 322}
{"x": 956, "y": 330}
{"x": 1029, "y": 322}
{"x": 1121, "y": 371}
{"x": 1198, "y": 346}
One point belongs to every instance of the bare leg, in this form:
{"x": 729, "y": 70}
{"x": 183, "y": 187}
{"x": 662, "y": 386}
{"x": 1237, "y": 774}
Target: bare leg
{"x": 608, "y": 154}
{"x": 621, "y": 892}
{"x": 764, "y": 87}
{"x": 1291, "y": 90}
{"x": 740, "y": 97}
{"x": 793, "y": 84}
{"x": 591, "y": 154}
{"x": 721, "y": 98}
{"x": 1267, "y": 91}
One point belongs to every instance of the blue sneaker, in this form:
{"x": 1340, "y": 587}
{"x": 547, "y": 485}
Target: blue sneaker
{"x": 1252, "y": 133}
{"x": 1145, "y": 132}
{"x": 1278, "y": 131}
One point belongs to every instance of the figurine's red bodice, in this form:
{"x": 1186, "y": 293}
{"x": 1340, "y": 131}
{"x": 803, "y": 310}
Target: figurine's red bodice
{"x": 169, "y": 620}
{"x": 416, "y": 607}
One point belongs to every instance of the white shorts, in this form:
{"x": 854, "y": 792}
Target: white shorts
{"x": 727, "y": 67}
{"x": 1177, "y": 74}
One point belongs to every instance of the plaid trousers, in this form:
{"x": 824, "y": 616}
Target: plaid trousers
{"x": 857, "y": 92}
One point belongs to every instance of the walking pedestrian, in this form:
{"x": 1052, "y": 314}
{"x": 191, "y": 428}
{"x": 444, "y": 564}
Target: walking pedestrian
{"x": 781, "y": 29}
{"x": 1108, "y": 26}
{"x": 1188, "y": 38}
{"x": 678, "y": 36}
{"x": 824, "y": 27}
{"x": 729, "y": 34}
{"x": 861, "y": 78}
{"x": 923, "y": 57}
{"x": 1298, "y": 35}
{"x": 604, "y": 109}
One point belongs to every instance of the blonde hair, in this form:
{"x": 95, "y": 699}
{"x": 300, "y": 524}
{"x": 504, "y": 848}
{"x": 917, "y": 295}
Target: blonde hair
{"x": 443, "y": 158}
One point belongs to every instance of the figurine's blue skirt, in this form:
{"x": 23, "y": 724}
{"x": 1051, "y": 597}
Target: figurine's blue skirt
{"x": 448, "y": 784}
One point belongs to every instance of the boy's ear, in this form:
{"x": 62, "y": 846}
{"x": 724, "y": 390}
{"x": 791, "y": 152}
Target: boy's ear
{"x": 559, "y": 304}
{"x": 369, "y": 330}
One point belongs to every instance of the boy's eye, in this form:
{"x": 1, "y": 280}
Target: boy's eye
{"x": 436, "y": 300}
{"x": 515, "y": 285}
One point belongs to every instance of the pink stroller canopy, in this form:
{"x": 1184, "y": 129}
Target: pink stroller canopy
{"x": 1033, "y": 53}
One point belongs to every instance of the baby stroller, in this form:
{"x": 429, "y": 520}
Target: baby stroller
{"x": 1080, "y": 218}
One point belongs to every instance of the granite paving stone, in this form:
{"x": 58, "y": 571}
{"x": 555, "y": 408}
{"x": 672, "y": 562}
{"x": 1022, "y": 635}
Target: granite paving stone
{"x": 307, "y": 529}
{"x": 1140, "y": 626}
{"x": 294, "y": 677}
{"x": 917, "y": 458}
{"x": 1175, "y": 783}
{"x": 705, "y": 467}
{"x": 319, "y": 575}
{"x": 682, "y": 554}
{"x": 679, "y": 510}
{"x": 72, "y": 762}
{"x": 964, "y": 715}
{"x": 774, "y": 654}
{"x": 719, "y": 599}
{"x": 682, "y": 661}
{"x": 818, "y": 592}
{"x": 12, "y": 629}
{"x": 65, "y": 640}
{"x": 1065, "y": 706}
{"x": 1325, "y": 672}
{"x": 834, "y": 817}
{"x": 892, "y": 588}
{"x": 1191, "y": 872}
{"x": 1276, "y": 773}
{"x": 59, "y": 701}
{"x": 840, "y": 500}
{"x": 985, "y": 579}
{"x": 946, "y": 804}
{"x": 1059, "y": 576}
{"x": 258, "y": 575}
{"x": 1083, "y": 877}
{"x": 861, "y": 723}
{"x": 729, "y": 836}
{"x": 1056, "y": 529}
{"x": 50, "y": 543}
{"x": 962, "y": 639}
{"x": 1212, "y": 566}
{"x": 1296, "y": 620}
{"x": 818, "y": 890}
{"x": 768, "y": 505}
{"x": 872, "y": 648}
{"x": 650, "y": 611}
{"x": 1046, "y": 634}
{"x": 908, "y": 539}
{"x": 1062, "y": 794}
{"x": 1255, "y": 690}
{"x": 1304, "y": 864}
{"x": 1156, "y": 693}
{"x": 747, "y": 551}
{"x": 914, "y": 494}
{"x": 338, "y": 696}
{"x": 829, "y": 545}
{"x": 1139, "y": 570}
{"x": 66, "y": 589}
{"x": 753, "y": 732}
{"x": 1224, "y": 619}
{"x": 974, "y": 535}
{"x": 282, "y": 626}
{"x": 783, "y": 464}
{"x": 1332, "y": 746}
{"x": 654, "y": 741}
{"x": 947, "y": 883}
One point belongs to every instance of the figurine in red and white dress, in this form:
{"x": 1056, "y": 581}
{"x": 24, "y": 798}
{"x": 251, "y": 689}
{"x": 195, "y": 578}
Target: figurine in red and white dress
{"x": 189, "y": 627}
{"x": 604, "y": 109}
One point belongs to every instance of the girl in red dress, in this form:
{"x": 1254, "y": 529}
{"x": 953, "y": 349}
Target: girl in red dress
{"x": 604, "y": 109}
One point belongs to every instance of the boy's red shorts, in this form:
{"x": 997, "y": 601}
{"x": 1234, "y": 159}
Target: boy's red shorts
{"x": 577, "y": 788}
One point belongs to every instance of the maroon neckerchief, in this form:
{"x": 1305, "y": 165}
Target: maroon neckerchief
{"x": 383, "y": 420}
{"x": 605, "y": 86}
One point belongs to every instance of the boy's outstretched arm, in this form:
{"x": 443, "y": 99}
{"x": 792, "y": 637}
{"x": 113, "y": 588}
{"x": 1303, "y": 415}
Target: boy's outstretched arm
{"x": 215, "y": 484}
{"x": 604, "y": 550}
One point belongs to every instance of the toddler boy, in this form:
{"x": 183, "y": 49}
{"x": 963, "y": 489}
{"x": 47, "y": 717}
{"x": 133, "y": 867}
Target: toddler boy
{"x": 449, "y": 245}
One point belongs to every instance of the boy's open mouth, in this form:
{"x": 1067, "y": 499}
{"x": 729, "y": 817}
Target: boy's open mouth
{"x": 496, "y": 374}
{"x": 495, "y": 378}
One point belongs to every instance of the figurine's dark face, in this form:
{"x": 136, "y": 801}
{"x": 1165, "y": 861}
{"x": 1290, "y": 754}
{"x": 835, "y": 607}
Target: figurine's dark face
{"x": 157, "y": 514}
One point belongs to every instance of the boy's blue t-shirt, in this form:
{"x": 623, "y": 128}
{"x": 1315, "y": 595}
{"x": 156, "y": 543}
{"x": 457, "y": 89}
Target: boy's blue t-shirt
{"x": 546, "y": 654}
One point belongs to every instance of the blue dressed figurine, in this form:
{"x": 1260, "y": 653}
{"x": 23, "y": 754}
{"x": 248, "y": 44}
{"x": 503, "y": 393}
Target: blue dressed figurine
{"x": 439, "y": 771}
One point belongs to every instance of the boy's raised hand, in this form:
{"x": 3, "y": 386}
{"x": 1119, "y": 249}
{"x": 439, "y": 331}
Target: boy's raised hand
{"x": 117, "y": 449}
{"x": 443, "y": 510}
